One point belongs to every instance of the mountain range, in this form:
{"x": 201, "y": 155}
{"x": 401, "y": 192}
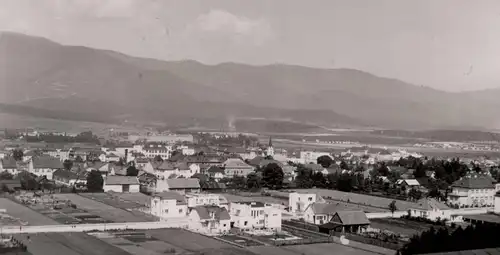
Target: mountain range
{"x": 43, "y": 78}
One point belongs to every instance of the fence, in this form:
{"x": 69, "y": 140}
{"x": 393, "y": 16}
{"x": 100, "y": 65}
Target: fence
{"x": 92, "y": 227}
{"x": 370, "y": 241}
{"x": 397, "y": 214}
{"x": 301, "y": 224}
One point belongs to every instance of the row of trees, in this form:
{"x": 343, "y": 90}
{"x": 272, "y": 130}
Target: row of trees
{"x": 84, "y": 137}
{"x": 271, "y": 176}
{"x": 480, "y": 236}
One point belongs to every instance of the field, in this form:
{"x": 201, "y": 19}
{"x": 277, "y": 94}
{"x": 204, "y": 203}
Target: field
{"x": 168, "y": 241}
{"x": 25, "y": 214}
{"x": 257, "y": 198}
{"x": 310, "y": 249}
{"x": 377, "y": 204}
{"x": 241, "y": 240}
{"x": 103, "y": 210}
{"x": 120, "y": 200}
{"x": 399, "y": 226}
{"x": 67, "y": 244}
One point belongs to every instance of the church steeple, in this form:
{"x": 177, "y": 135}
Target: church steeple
{"x": 270, "y": 149}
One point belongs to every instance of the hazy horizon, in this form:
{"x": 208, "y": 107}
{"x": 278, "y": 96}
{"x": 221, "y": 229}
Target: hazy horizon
{"x": 445, "y": 45}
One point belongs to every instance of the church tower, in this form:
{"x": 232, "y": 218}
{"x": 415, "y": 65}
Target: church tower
{"x": 270, "y": 149}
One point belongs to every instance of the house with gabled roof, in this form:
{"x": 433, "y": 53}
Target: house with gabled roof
{"x": 236, "y": 167}
{"x": 180, "y": 185}
{"x": 215, "y": 172}
{"x": 44, "y": 166}
{"x": 121, "y": 184}
{"x": 209, "y": 220}
{"x": 169, "y": 205}
{"x": 473, "y": 190}
{"x": 320, "y": 213}
{"x": 350, "y": 221}
{"x": 9, "y": 165}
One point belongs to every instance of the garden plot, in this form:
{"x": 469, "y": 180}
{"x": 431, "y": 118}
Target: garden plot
{"x": 103, "y": 210}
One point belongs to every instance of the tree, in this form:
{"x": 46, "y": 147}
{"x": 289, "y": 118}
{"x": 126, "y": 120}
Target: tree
{"x": 158, "y": 158}
{"x": 272, "y": 176}
{"x": 238, "y": 182}
{"x": 28, "y": 181}
{"x": 68, "y": 164}
{"x": 95, "y": 182}
{"x": 304, "y": 180}
{"x": 132, "y": 171}
{"x": 6, "y": 176}
{"x": 18, "y": 154}
{"x": 79, "y": 159}
{"x": 393, "y": 207}
{"x": 344, "y": 165}
{"x": 325, "y": 161}
{"x": 415, "y": 194}
{"x": 319, "y": 180}
{"x": 254, "y": 182}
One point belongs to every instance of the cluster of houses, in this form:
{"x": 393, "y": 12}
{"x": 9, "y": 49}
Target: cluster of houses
{"x": 213, "y": 214}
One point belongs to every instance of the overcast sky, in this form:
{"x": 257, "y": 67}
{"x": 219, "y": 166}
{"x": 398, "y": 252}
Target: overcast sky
{"x": 446, "y": 44}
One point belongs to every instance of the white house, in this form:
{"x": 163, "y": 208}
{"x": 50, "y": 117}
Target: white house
{"x": 312, "y": 156}
{"x": 44, "y": 166}
{"x": 201, "y": 199}
{"x": 9, "y": 165}
{"x": 408, "y": 184}
{"x": 320, "y": 213}
{"x": 299, "y": 201}
{"x": 236, "y": 167}
{"x": 210, "y": 220}
{"x": 215, "y": 172}
{"x": 169, "y": 205}
{"x": 255, "y": 215}
{"x": 175, "y": 169}
{"x": 180, "y": 185}
{"x": 473, "y": 190}
{"x": 431, "y": 209}
{"x": 151, "y": 150}
{"x": 121, "y": 184}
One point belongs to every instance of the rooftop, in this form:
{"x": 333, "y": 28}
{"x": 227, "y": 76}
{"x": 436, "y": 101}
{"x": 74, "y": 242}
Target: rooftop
{"x": 475, "y": 181}
{"x": 121, "y": 180}
{"x": 181, "y": 183}
{"x": 47, "y": 162}
{"x": 171, "y": 195}
{"x": 205, "y": 212}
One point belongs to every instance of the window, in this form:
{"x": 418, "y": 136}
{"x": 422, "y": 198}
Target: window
{"x": 261, "y": 221}
{"x": 224, "y": 225}
{"x": 246, "y": 222}
{"x": 166, "y": 211}
{"x": 310, "y": 199}
{"x": 180, "y": 210}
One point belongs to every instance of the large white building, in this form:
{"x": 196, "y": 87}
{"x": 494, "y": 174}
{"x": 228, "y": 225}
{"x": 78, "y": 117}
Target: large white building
{"x": 206, "y": 199}
{"x": 300, "y": 201}
{"x": 121, "y": 184}
{"x": 169, "y": 205}
{"x": 473, "y": 190}
{"x": 312, "y": 156}
{"x": 255, "y": 215}
{"x": 209, "y": 220}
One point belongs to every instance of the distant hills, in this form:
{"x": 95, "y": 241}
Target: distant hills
{"x": 67, "y": 81}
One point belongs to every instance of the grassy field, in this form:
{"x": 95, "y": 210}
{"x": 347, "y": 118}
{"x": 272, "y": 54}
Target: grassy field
{"x": 310, "y": 249}
{"x": 103, "y": 210}
{"x": 67, "y": 244}
{"x": 400, "y": 226}
{"x": 24, "y": 213}
{"x": 258, "y": 198}
{"x": 379, "y": 204}
{"x": 169, "y": 241}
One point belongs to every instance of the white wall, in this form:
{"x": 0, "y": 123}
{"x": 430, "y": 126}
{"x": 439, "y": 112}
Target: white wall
{"x": 299, "y": 202}
{"x": 497, "y": 204}
{"x": 168, "y": 209}
{"x": 93, "y": 227}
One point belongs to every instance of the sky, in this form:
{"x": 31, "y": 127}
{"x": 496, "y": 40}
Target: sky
{"x": 450, "y": 45}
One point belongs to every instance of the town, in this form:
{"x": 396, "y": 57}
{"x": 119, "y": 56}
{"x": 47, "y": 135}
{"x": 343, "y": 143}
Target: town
{"x": 234, "y": 193}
